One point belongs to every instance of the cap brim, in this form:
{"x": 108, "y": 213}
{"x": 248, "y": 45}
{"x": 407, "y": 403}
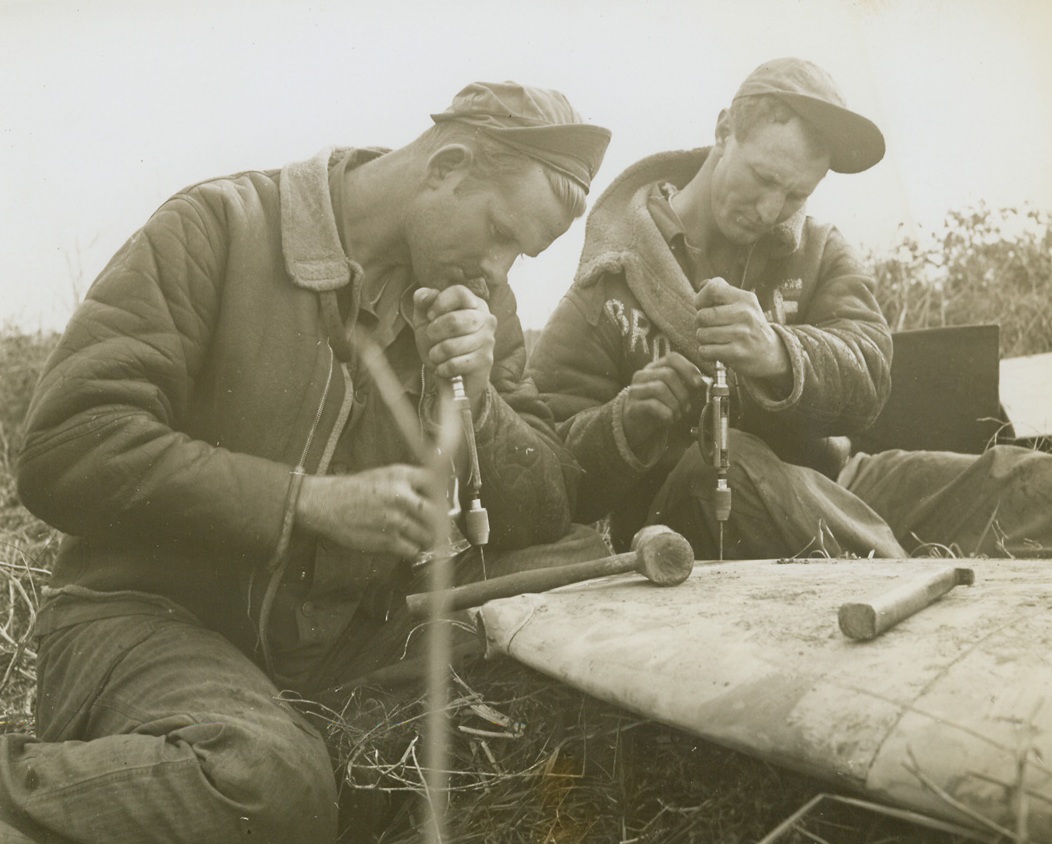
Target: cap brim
{"x": 855, "y": 142}
{"x": 574, "y": 149}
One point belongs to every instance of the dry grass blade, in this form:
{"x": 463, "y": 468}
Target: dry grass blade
{"x": 567, "y": 768}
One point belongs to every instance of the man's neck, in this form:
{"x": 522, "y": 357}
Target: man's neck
{"x": 374, "y": 207}
{"x": 693, "y": 206}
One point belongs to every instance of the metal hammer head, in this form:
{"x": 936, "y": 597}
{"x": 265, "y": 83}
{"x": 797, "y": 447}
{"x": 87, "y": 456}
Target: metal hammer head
{"x": 664, "y": 556}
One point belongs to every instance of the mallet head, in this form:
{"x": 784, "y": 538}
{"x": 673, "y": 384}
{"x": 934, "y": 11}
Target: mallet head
{"x": 665, "y": 557}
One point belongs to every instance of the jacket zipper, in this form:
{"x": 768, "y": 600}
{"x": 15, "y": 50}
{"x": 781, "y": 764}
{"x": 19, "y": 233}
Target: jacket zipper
{"x": 317, "y": 417}
{"x": 341, "y": 419}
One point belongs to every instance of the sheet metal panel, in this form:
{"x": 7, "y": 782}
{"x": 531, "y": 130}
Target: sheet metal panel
{"x": 948, "y": 713}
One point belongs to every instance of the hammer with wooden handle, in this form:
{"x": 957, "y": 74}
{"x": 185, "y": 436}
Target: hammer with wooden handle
{"x": 869, "y": 620}
{"x": 658, "y": 553}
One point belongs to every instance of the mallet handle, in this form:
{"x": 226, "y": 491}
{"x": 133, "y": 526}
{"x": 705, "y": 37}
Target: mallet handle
{"x": 868, "y": 620}
{"x": 521, "y": 582}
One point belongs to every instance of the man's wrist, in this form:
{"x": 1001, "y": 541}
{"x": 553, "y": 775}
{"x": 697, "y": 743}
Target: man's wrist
{"x": 305, "y": 505}
{"x": 638, "y": 456}
{"x": 778, "y": 383}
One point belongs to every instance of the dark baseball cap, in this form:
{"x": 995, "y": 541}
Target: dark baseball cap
{"x": 855, "y": 142}
{"x": 537, "y": 122}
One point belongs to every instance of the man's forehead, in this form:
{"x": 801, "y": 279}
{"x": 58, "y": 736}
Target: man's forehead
{"x": 781, "y": 150}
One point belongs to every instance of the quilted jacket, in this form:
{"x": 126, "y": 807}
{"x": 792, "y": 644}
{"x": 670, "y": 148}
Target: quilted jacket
{"x": 199, "y": 373}
{"x": 631, "y": 303}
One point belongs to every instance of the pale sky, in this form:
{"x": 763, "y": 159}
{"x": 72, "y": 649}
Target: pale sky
{"x": 108, "y": 107}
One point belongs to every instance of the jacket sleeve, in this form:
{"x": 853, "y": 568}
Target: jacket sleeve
{"x": 527, "y": 473}
{"x": 104, "y": 455}
{"x": 839, "y": 347}
{"x": 579, "y": 369}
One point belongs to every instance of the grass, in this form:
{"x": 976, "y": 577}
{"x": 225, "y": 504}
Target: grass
{"x": 535, "y": 761}
{"x": 27, "y": 545}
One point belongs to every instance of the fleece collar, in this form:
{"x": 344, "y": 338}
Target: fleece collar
{"x": 314, "y": 256}
{"x": 622, "y": 237}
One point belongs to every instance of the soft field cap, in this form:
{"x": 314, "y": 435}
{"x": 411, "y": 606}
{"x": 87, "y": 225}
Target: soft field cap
{"x": 855, "y": 141}
{"x": 537, "y": 122}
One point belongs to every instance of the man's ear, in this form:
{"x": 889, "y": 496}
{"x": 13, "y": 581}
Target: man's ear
{"x": 451, "y": 159}
{"x": 724, "y": 129}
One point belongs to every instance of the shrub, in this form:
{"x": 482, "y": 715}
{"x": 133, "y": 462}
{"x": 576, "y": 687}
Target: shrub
{"x": 984, "y": 265}
{"x": 22, "y": 357}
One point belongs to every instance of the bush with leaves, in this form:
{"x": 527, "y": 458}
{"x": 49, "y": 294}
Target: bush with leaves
{"x": 984, "y": 265}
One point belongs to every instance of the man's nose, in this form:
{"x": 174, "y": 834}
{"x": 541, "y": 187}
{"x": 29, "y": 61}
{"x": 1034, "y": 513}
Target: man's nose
{"x": 770, "y": 206}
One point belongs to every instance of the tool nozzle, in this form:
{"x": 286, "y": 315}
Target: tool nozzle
{"x": 722, "y": 501}
{"x": 476, "y": 523}
{"x": 459, "y": 393}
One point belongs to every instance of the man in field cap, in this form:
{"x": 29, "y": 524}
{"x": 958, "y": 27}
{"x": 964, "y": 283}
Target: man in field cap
{"x": 537, "y": 123}
{"x": 244, "y": 503}
{"x": 707, "y": 255}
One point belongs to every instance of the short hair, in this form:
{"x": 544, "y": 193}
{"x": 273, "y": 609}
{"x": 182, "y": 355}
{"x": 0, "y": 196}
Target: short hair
{"x": 748, "y": 113}
{"x": 493, "y": 159}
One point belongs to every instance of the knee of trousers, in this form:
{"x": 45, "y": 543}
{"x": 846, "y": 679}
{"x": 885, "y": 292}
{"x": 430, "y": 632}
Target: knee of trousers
{"x": 1016, "y": 464}
{"x": 273, "y": 780}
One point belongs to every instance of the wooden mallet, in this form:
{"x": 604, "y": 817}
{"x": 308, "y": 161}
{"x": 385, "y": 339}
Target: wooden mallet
{"x": 868, "y": 620}
{"x": 658, "y": 553}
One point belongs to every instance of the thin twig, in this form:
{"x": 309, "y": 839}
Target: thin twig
{"x": 24, "y": 567}
{"x": 930, "y": 784}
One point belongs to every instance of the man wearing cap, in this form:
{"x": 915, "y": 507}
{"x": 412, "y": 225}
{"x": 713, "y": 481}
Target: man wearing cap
{"x": 704, "y": 256}
{"x": 216, "y": 437}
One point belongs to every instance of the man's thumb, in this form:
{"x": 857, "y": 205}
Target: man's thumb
{"x": 423, "y": 299}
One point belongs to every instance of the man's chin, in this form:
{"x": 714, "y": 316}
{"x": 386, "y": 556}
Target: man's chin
{"x": 745, "y": 235}
{"x": 739, "y": 233}
{"x": 440, "y": 279}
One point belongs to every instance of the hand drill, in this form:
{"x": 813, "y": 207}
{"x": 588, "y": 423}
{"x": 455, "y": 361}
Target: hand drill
{"x": 713, "y": 439}
{"x": 476, "y": 519}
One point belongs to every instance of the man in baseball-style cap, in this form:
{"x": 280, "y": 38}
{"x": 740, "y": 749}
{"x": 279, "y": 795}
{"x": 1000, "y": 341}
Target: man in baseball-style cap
{"x": 855, "y": 143}
{"x": 707, "y": 255}
{"x": 243, "y": 510}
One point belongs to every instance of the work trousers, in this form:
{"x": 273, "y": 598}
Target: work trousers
{"x": 893, "y": 504}
{"x": 153, "y": 728}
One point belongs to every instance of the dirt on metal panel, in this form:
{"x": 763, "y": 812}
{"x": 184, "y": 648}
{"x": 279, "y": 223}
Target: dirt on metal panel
{"x": 945, "y": 713}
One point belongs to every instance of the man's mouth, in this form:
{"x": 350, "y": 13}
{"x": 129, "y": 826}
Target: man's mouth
{"x": 476, "y": 283}
{"x": 452, "y": 276}
{"x": 473, "y": 280}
